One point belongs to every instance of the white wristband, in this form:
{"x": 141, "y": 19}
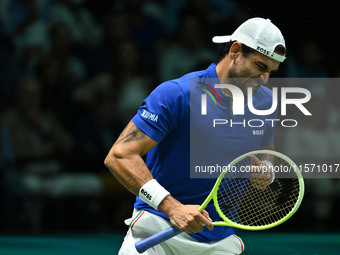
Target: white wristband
{"x": 271, "y": 169}
{"x": 153, "y": 193}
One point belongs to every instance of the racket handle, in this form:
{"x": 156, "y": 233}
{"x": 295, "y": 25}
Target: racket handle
{"x": 142, "y": 246}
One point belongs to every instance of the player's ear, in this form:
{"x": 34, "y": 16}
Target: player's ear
{"x": 235, "y": 50}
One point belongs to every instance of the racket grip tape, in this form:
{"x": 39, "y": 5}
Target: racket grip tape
{"x": 143, "y": 245}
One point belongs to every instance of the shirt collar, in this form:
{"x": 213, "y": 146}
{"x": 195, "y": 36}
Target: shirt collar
{"x": 212, "y": 71}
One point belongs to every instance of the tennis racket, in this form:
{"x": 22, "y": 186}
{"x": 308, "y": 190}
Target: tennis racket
{"x": 242, "y": 202}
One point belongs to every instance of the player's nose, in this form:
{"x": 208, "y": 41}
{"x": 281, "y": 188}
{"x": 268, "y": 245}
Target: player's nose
{"x": 264, "y": 77}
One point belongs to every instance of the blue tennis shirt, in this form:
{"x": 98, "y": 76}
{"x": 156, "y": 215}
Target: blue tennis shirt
{"x": 172, "y": 116}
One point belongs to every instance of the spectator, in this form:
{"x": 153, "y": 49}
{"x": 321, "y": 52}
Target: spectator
{"x": 59, "y": 71}
{"x": 18, "y": 14}
{"x": 187, "y": 51}
{"x": 42, "y": 149}
{"x": 94, "y": 131}
{"x": 130, "y": 79}
{"x": 9, "y": 74}
{"x": 146, "y": 32}
{"x": 127, "y": 78}
{"x": 15, "y": 213}
{"x": 32, "y": 43}
{"x": 62, "y": 44}
{"x": 308, "y": 62}
{"x": 83, "y": 28}
{"x": 40, "y": 144}
{"x": 23, "y": 30}
{"x": 98, "y": 56}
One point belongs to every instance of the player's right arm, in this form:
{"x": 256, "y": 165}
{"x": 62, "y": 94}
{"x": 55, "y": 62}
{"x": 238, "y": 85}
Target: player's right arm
{"x": 125, "y": 162}
{"x": 124, "y": 159}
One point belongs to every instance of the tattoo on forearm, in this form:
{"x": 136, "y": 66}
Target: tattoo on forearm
{"x": 133, "y": 134}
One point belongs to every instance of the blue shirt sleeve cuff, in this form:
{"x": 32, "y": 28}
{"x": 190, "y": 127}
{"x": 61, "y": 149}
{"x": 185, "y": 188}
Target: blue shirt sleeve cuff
{"x": 148, "y": 129}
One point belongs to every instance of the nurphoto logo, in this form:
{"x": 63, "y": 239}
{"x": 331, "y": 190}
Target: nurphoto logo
{"x": 238, "y": 104}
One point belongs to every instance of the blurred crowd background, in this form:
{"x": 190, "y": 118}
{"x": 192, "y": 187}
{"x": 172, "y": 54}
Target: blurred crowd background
{"x": 74, "y": 72}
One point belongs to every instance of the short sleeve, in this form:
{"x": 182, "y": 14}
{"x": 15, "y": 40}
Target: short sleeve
{"x": 162, "y": 111}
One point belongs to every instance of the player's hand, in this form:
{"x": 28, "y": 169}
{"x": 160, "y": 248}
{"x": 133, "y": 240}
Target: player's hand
{"x": 186, "y": 218}
{"x": 260, "y": 174}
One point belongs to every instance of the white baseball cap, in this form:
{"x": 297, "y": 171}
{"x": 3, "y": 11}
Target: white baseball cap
{"x": 259, "y": 34}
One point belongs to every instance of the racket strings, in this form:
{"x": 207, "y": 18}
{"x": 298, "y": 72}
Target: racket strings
{"x": 245, "y": 204}
{"x": 266, "y": 212}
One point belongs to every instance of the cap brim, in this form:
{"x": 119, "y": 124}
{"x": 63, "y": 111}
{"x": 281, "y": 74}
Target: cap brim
{"x": 221, "y": 39}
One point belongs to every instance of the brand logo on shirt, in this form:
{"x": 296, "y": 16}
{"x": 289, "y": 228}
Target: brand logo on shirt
{"x": 150, "y": 116}
{"x": 258, "y": 132}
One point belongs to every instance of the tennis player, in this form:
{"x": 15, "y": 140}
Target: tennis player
{"x": 166, "y": 195}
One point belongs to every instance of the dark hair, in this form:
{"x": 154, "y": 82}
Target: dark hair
{"x": 280, "y": 49}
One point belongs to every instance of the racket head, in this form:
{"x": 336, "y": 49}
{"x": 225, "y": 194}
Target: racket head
{"x": 252, "y": 208}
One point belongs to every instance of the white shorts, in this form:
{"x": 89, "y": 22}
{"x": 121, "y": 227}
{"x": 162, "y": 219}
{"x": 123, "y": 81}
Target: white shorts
{"x": 143, "y": 224}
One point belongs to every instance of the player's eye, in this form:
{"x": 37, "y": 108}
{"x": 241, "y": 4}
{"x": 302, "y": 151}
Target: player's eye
{"x": 261, "y": 67}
